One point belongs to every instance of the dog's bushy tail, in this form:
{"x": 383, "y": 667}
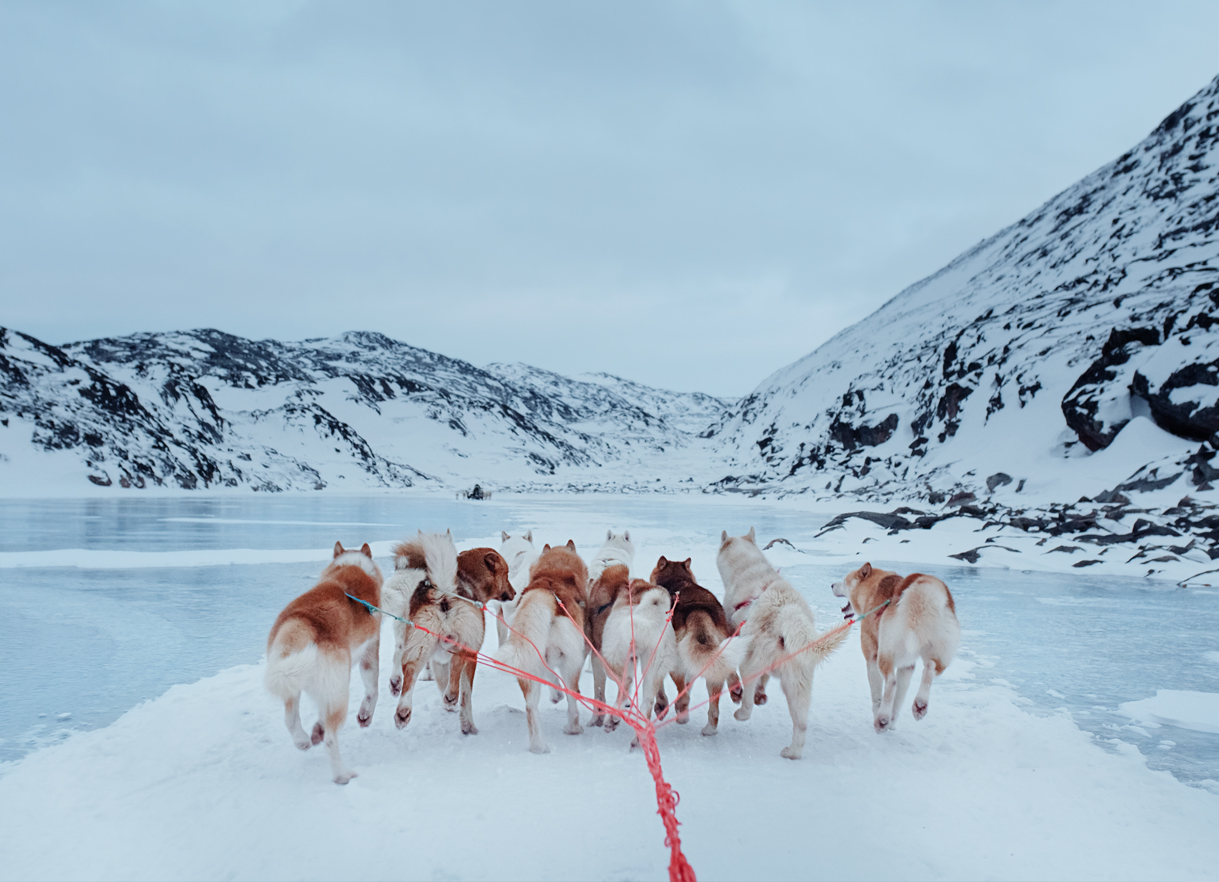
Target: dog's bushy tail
{"x": 530, "y": 627}
{"x": 799, "y": 633}
{"x": 700, "y": 649}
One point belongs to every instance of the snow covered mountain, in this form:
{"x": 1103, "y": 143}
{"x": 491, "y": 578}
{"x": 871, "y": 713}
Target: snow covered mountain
{"x": 204, "y": 409}
{"x": 1066, "y": 352}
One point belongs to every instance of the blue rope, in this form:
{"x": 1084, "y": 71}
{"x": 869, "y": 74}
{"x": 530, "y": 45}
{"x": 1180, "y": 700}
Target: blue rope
{"x": 375, "y": 609}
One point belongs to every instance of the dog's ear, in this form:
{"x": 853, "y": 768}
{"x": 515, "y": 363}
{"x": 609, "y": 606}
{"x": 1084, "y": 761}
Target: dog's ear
{"x": 627, "y": 535}
{"x": 492, "y": 559}
{"x": 752, "y": 536}
{"x": 338, "y": 548}
{"x": 609, "y": 534}
{"x": 503, "y": 535}
{"x": 723, "y": 538}
{"x": 865, "y": 571}
{"x": 366, "y": 551}
{"x": 546, "y": 548}
{"x": 529, "y": 536}
{"x": 571, "y": 543}
{"x": 660, "y": 563}
{"x": 687, "y": 564}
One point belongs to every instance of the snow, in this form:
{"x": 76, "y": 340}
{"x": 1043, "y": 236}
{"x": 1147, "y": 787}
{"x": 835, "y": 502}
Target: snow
{"x": 203, "y": 781}
{"x": 1198, "y": 711}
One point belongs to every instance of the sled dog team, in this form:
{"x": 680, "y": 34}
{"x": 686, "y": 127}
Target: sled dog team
{"x": 552, "y": 606}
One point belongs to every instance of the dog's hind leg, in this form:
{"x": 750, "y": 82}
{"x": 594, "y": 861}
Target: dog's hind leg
{"x": 598, "y": 690}
{"x": 799, "y": 692}
{"x": 447, "y": 681}
{"x": 759, "y": 694}
{"x": 683, "y": 700}
{"x": 334, "y": 717}
{"x": 661, "y": 705}
{"x": 714, "y": 688}
{"x": 395, "y": 670}
{"x": 571, "y": 676}
{"x": 292, "y": 719}
{"x": 876, "y": 684}
{"x": 903, "y": 684}
{"x": 745, "y": 711}
{"x": 884, "y": 713}
{"x": 465, "y": 666}
{"x": 924, "y": 688}
{"x": 533, "y": 694}
{"x": 735, "y": 689}
{"x": 370, "y": 671}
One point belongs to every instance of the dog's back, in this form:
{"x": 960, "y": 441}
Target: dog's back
{"x": 923, "y": 620}
{"x": 556, "y": 593}
{"x": 745, "y": 572}
{"x": 617, "y": 549}
{"x": 636, "y": 629}
{"x": 602, "y": 593}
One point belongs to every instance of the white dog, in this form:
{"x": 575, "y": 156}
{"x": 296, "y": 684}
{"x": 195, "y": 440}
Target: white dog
{"x": 920, "y": 622}
{"x": 780, "y": 630}
{"x": 639, "y": 634}
{"x": 520, "y": 553}
{"x": 617, "y": 549}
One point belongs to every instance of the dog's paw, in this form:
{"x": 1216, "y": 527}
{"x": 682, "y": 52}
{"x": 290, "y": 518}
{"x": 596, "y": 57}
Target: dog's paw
{"x": 882, "y": 723}
{"x": 318, "y": 733}
{"x": 611, "y": 723}
{"x": 597, "y": 720}
{"x": 736, "y": 693}
{"x": 759, "y": 698}
{"x": 920, "y": 709}
{"x": 573, "y": 729}
{"x": 743, "y": 713}
{"x": 344, "y": 776}
{"x": 395, "y": 685}
{"x": 555, "y": 696}
{"x": 364, "y": 718}
{"x": 303, "y": 742}
{"x": 402, "y": 717}
{"x": 539, "y": 748}
{"x": 683, "y": 717}
{"x": 710, "y": 729}
{"x": 450, "y": 701}
{"x": 468, "y": 728}
{"x": 790, "y": 753}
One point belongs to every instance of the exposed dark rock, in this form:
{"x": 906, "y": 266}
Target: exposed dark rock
{"x": 1085, "y": 563}
{"x": 998, "y": 479}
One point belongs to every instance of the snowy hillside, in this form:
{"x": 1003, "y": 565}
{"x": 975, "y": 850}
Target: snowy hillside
{"x": 1059, "y": 357}
{"x": 205, "y": 409}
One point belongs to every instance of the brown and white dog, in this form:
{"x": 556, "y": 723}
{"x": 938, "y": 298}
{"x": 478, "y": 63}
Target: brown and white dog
{"x": 920, "y": 622}
{"x": 780, "y": 630}
{"x": 602, "y": 592}
{"x": 549, "y": 626}
{"x": 311, "y": 646}
{"x": 447, "y": 608}
{"x": 638, "y": 635}
{"x": 703, "y": 645}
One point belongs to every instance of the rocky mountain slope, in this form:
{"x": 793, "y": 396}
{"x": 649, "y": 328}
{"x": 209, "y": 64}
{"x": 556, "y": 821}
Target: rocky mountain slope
{"x": 205, "y": 409}
{"x": 1074, "y": 351}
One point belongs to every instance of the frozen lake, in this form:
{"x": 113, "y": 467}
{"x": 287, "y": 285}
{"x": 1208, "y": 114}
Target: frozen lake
{"x": 79, "y": 646}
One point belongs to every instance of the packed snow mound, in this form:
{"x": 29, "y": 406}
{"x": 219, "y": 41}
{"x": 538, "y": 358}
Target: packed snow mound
{"x": 1198, "y": 711}
{"x": 199, "y": 409}
{"x": 1038, "y": 345}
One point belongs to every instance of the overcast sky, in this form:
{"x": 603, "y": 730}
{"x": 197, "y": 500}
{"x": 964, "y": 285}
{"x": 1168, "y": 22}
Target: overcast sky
{"x": 686, "y": 194}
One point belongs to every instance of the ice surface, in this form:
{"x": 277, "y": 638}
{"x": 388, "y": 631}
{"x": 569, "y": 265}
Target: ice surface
{"x": 999, "y": 781}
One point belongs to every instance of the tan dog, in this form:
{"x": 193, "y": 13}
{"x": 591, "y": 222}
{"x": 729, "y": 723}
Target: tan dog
{"x": 447, "y": 608}
{"x": 311, "y": 646}
{"x": 605, "y": 589}
{"x": 919, "y": 622}
{"x": 780, "y": 629}
{"x": 703, "y": 647}
{"x": 548, "y": 634}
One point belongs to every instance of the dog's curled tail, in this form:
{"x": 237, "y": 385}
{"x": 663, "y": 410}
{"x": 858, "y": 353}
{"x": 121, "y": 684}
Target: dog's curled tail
{"x": 530, "y": 627}
{"x": 823, "y": 646}
{"x": 799, "y": 634}
{"x": 698, "y": 650}
{"x": 441, "y": 556}
{"x": 291, "y": 660}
